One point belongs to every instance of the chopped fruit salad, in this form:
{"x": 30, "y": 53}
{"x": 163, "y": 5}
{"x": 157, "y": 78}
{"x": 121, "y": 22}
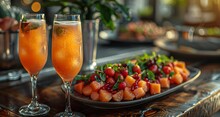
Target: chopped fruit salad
{"x": 132, "y": 79}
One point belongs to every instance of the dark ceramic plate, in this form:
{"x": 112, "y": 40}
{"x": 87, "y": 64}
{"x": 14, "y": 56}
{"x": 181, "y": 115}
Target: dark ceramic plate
{"x": 173, "y": 47}
{"x": 194, "y": 74}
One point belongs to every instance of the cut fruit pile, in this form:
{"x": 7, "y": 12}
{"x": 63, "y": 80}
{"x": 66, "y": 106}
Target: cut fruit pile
{"x": 132, "y": 79}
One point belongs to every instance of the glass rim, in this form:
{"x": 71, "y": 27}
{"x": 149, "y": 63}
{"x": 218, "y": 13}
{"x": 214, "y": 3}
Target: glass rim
{"x": 67, "y": 17}
{"x": 33, "y": 14}
{"x": 57, "y": 14}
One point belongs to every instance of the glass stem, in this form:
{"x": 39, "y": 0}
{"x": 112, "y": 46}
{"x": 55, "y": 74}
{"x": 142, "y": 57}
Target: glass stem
{"x": 67, "y": 97}
{"x": 34, "y": 105}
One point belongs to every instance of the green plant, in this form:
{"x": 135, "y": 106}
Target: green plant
{"x": 105, "y": 10}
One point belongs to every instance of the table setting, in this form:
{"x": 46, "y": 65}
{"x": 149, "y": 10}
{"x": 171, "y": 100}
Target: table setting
{"x": 89, "y": 64}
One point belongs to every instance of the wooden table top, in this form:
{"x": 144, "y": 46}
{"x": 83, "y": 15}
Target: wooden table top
{"x": 200, "y": 98}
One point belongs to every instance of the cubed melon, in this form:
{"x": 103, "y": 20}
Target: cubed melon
{"x": 180, "y": 64}
{"x": 177, "y": 70}
{"x": 164, "y": 82}
{"x": 143, "y": 84}
{"x": 186, "y": 71}
{"x": 139, "y": 92}
{"x": 94, "y": 96}
{"x": 128, "y": 95}
{"x": 95, "y": 85}
{"x": 78, "y": 87}
{"x": 155, "y": 88}
{"x": 129, "y": 81}
{"x": 118, "y": 96}
{"x": 104, "y": 95}
{"x": 177, "y": 78}
{"x": 87, "y": 90}
{"x": 184, "y": 76}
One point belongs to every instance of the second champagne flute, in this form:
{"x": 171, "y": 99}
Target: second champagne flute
{"x": 67, "y": 53}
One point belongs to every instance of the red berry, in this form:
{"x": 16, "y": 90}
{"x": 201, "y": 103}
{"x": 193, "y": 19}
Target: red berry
{"x": 137, "y": 69}
{"x": 153, "y": 68}
{"x": 110, "y": 72}
{"x": 93, "y": 77}
{"x": 121, "y": 85}
{"x": 118, "y": 76}
{"x": 110, "y": 80}
{"x": 124, "y": 72}
{"x": 166, "y": 69}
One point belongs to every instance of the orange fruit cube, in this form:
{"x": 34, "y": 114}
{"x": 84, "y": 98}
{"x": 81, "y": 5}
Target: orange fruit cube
{"x": 104, "y": 95}
{"x": 180, "y": 64}
{"x": 118, "y": 96}
{"x": 139, "y": 92}
{"x": 95, "y": 85}
{"x": 78, "y": 87}
{"x": 129, "y": 81}
{"x": 143, "y": 84}
{"x": 177, "y": 78}
{"x": 128, "y": 95}
{"x": 164, "y": 82}
{"x": 94, "y": 96}
{"x": 155, "y": 88}
{"x": 87, "y": 90}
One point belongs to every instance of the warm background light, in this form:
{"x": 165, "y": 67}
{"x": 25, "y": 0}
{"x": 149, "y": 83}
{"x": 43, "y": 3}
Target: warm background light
{"x": 27, "y": 2}
{"x": 36, "y": 6}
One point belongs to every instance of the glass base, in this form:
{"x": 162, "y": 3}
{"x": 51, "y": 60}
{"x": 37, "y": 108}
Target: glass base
{"x": 43, "y": 110}
{"x": 65, "y": 114}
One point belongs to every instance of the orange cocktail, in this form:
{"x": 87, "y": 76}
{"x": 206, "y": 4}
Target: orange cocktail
{"x": 33, "y": 51}
{"x": 67, "y": 53}
{"x": 33, "y": 45}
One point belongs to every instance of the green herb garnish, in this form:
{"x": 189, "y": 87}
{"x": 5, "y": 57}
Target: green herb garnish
{"x": 81, "y": 77}
{"x": 150, "y": 75}
{"x": 27, "y": 26}
{"x": 59, "y": 31}
{"x": 115, "y": 86}
{"x": 171, "y": 74}
{"x": 130, "y": 66}
{"x": 102, "y": 76}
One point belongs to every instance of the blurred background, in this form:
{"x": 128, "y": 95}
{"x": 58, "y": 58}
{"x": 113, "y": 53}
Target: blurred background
{"x": 188, "y": 12}
{"x": 149, "y": 21}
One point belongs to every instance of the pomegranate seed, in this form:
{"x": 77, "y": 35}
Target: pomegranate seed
{"x": 124, "y": 65}
{"x": 150, "y": 63}
{"x": 136, "y": 76}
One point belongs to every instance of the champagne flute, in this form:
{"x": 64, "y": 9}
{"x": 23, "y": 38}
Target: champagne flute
{"x": 67, "y": 53}
{"x": 33, "y": 52}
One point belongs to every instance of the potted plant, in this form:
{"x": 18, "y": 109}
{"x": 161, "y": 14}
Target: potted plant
{"x": 91, "y": 12}
{"x": 105, "y": 10}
